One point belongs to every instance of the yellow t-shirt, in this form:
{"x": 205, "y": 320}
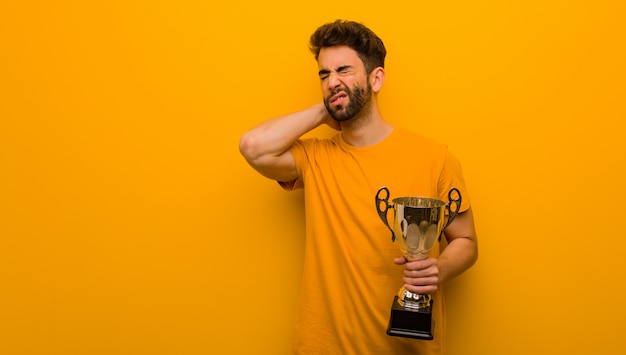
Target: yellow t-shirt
{"x": 350, "y": 279}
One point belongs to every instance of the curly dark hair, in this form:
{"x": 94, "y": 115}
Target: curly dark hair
{"x": 365, "y": 42}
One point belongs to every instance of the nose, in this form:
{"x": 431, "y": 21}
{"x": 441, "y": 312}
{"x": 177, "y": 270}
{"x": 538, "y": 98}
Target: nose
{"x": 333, "y": 81}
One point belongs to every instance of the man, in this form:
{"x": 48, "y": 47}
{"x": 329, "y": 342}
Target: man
{"x": 351, "y": 269}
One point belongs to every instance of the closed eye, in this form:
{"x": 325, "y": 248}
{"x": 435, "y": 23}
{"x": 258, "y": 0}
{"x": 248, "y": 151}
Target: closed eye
{"x": 342, "y": 70}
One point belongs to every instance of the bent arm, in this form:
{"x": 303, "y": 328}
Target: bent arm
{"x": 462, "y": 249}
{"x": 266, "y": 146}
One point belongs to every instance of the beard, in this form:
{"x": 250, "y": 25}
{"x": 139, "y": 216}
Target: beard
{"x": 358, "y": 99}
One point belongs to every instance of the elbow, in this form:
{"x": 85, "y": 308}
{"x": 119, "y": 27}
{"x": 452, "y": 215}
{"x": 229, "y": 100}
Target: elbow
{"x": 474, "y": 255}
{"x": 475, "y": 258}
{"x": 247, "y": 147}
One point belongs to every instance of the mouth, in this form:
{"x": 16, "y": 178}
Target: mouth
{"x": 338, "y": 98}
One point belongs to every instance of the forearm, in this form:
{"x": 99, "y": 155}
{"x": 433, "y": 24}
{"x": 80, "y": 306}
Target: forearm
{"x": 457, "y": 257}
{"x": 274, "y": 137}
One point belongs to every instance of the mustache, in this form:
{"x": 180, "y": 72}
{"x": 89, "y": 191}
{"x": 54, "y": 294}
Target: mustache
{"x": 338, "y": 90}
{"x": 345, "y": 90}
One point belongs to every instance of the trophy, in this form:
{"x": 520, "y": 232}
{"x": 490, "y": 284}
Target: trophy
{"x": 418, "y": 222}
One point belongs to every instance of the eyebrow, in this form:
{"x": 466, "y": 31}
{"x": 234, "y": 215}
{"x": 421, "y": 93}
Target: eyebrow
{"x": 339, "y": 69}
{"x": 323, "y": 72}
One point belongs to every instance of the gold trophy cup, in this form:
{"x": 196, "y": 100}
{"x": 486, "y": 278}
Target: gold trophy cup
{"x": 417, "y": 223}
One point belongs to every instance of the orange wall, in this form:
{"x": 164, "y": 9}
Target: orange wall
{"x": 129, "y": 223}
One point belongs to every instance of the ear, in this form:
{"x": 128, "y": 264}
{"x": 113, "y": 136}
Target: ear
{"x": 377, "y": 78}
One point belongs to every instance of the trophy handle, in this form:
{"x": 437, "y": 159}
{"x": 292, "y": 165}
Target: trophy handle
{"x": 382, "y": 212}
{"x": 451, "y": 214}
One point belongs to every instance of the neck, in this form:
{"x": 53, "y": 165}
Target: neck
{"x": 365, "y": 129}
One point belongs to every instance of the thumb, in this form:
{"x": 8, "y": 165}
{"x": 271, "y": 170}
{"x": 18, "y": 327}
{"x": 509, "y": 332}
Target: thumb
{"x": 400, "y": 261}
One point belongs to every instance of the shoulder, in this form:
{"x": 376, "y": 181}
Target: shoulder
{"x": 312, "y": 144}
{"x": 418, "y": 142}
{"x": 416, "y": 137}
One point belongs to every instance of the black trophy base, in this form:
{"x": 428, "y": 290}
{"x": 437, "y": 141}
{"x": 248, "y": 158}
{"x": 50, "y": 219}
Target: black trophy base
{"x": 410, "y": 323}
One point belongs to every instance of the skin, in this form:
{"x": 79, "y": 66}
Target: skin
{"x": 342, "y": 75}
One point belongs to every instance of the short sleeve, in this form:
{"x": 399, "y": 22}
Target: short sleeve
{"x": 299, "y": 152}
{"x": 452, "y": 177}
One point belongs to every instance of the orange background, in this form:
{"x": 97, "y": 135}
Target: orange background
{"x": 130, "y": 224}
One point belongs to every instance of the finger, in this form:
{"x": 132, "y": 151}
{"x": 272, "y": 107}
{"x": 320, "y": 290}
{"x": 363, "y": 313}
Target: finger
{"x": 421, "y": 290}
{"x": 400, "y": 261}
{"x": 421, "y": 280}
{"x": 421, "y": 264}
{"x": 428, "y": 272}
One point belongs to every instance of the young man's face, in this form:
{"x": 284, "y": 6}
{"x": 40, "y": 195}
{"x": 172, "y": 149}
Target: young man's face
{"x": 345, "y": 87}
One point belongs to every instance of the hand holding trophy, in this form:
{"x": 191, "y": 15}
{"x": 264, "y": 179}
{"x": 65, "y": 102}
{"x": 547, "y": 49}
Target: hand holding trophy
{"x": 418, "y": 222}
